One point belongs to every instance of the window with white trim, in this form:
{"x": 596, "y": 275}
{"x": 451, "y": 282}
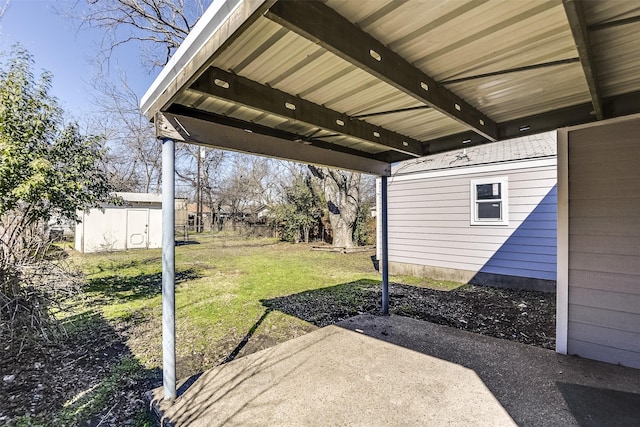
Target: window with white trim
{"x": 490, "y": 201}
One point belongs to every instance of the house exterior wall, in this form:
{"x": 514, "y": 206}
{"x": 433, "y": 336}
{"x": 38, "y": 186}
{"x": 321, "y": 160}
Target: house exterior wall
{"x": 601, "y": 306}
{"x": 431, "y": 234}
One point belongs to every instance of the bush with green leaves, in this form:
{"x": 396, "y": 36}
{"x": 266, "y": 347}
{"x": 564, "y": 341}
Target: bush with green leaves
{"x": 300, "y": 210}
{"x": 48, "y": 170}
{"x": 364, "y": 230}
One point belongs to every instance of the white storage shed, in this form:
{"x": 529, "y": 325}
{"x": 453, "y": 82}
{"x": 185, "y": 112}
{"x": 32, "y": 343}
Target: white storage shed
{"x": 134, "y": 225}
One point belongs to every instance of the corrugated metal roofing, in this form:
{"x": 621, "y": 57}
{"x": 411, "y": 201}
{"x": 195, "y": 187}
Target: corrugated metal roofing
{"x": 511, "y": 60}
{"x": 280, "y": 59}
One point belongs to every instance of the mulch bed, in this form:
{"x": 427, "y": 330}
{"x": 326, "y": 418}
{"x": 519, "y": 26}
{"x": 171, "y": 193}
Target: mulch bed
{"x": 46, "y": 377}
{"x": 524, "y": 316}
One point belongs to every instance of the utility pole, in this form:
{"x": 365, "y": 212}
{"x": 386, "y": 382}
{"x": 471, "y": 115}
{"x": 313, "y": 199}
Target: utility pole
{"x": 198, "y": 219}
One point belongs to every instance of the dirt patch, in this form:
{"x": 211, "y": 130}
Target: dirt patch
{"x": 88, "y": 379}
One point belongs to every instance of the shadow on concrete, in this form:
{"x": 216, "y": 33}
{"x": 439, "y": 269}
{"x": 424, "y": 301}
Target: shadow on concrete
{"x": 333, "y": 376}
{"x": 535, "y": 386}
{"x": 538, "y": 387}
{"x": 201, "y": 393}
{"x": 598, "y": 406}
{"x": 186, "y": 384}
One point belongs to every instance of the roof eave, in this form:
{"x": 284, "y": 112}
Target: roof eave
{"x": 218, "y": 26}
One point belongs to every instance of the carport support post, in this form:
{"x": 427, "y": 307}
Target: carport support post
{"x": 385, "y": 247}
{"x": 168, "y": 271}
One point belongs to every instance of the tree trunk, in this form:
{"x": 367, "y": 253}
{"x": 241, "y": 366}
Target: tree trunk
{"x": 342, "y": 192}
{"x": 342, "y": 231}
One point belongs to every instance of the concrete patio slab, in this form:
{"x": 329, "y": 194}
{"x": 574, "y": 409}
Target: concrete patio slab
{"x": 335, "y": 377}
{"x": 395, "y": 371}
{"x": 538, "y": 387}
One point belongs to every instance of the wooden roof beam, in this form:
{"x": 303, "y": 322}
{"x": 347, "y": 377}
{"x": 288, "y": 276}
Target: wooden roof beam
{"x": 240, "y": 90}
{"x": 575, "y": 14}
{"x": 321, "y": 24}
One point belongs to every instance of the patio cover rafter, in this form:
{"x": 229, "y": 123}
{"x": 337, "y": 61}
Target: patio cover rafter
{"x": 613, "y": 24}
{"x": 577, "y": 22}
{"x": 613, "y": 106}
{"x": 222, "y": 84}
{"x": 321, "y": 24}
{"x": 228, "y": 133}
{"x": 249, "y": 127}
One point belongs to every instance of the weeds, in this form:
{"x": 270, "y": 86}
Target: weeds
{"x": 27, "y": 314}
{"x": 92, "y": 400}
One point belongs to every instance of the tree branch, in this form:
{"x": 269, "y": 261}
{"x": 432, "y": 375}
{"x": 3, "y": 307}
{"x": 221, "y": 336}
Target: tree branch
{"x": 164, "y": 23}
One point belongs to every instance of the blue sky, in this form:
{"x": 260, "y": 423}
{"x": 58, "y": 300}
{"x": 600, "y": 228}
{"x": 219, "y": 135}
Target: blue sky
{"x": 59, "y": 47}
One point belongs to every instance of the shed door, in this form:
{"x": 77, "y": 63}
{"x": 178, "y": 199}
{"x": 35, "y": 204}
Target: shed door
{"x": 137, "y": 228}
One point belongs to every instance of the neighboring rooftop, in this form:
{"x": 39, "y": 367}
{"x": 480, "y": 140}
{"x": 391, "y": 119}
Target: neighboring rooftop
{"x": 527, "y": 147}
{"x": 140, "y": 197}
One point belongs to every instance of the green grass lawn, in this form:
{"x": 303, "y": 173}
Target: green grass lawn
{"x": 232, "y": 299}
{"x": 221, "y": 284}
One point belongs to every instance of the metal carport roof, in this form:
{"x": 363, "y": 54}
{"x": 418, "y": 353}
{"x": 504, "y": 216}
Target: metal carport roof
{"x": 358, "y": 85}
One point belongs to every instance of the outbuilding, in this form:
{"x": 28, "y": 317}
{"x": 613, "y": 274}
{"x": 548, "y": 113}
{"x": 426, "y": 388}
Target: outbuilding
{"x": 135, "y": 224}
{"x": 483, "y": 215}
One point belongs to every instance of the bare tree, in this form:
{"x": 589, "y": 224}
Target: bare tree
{"x": 160, "y": 25}
{"x": 133, "y": 158}
{"x": 342, "y": 191}
{"x": 3, "y": 8}
{"x": 119, "y": 168}
{"x": 246, "y": 184}
{"x": 134, "y": 155}
{"x": 204, "y": 177}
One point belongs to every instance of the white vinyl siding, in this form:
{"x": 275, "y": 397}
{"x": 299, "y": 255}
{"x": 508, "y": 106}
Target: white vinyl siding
{"x": 429, "y": 221}
{"x": 604, "y": 242}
